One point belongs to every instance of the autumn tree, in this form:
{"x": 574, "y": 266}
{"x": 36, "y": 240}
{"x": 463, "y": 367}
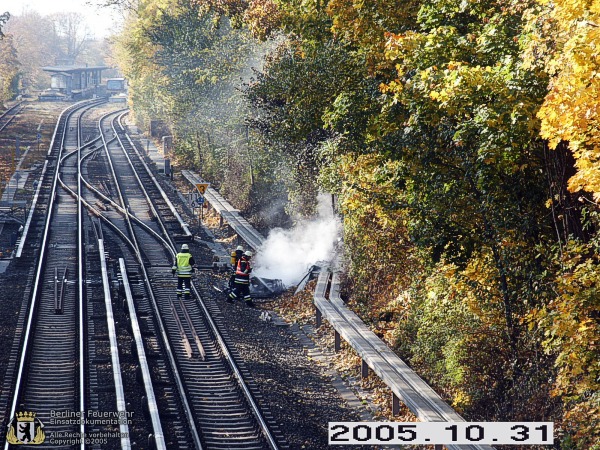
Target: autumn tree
{"x": 448, "y": 131}
{"x": 570, "y": 110}
{"x": 9, "y": 69}
{"x": 3, "y": 19}
{"x": 565, "y": 37}
{"x": 185, "y": 62}
{"x": 72, "y": 34}
{"x": 9, "y": 64}
{"x": 36, "y": 46}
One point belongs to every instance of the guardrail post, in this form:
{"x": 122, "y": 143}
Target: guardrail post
{"x": 395, "y": 405}
{"x": 318, "y": 317}
{"x": 337, "y": 341}
{"x": 364, "y": 369}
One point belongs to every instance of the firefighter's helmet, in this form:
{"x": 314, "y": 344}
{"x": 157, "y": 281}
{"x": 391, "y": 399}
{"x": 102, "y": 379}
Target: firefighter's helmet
{"x": 185, "y": 247}
{"x": 248, "y": 253}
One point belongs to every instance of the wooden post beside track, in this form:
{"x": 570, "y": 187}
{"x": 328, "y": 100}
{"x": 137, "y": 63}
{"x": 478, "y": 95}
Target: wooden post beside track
{"x": 364, "y": 369}
{"x": 395, "y": 405}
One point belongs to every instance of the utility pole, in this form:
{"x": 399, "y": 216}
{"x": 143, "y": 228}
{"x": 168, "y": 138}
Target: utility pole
{"x": 249, "y": 154}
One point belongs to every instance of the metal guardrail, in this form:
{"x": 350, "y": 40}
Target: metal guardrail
{"x": 114, "y": 351}
{"x": 159, "y": 438}
{"x": 228, "y": 213}
{"x": 404, "y": 383}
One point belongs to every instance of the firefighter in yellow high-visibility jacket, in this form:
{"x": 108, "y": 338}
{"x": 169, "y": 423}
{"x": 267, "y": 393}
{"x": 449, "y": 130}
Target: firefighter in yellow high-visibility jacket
{"x": 184, "y": 268}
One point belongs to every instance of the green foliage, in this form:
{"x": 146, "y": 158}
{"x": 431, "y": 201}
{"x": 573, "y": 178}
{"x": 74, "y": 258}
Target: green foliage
{"x": 425, "y": 122}
{"x": 9, "y": 69}
{"x": 381, "y": 262}
{"x": 571, "y": 330}
{"x": 290, "y": 98}
{"x": 184, "y": 62}
{"x": 365, "y": 26}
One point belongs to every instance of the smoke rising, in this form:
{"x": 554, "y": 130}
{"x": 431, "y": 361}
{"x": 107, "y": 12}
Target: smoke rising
{"x": 288, "y": 254}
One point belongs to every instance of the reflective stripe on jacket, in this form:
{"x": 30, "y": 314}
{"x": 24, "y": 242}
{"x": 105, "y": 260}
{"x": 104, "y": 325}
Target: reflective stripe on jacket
{"x": 242, "y": 273}
{"x": 183, "y": 265}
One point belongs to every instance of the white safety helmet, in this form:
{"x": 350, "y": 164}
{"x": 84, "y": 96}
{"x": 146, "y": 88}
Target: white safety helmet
{"x": 248, "y": 253}
{"x": 185, "y": 247}
{"x": 240, "y": 248}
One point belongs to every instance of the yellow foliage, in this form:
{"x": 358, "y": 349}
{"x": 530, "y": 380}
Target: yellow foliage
{"x": 367, "y": 24}
{"x": 570, "y": 111}
{"x": 572, "y": 332}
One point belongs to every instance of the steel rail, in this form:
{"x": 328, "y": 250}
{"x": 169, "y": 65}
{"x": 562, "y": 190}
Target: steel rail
{"x": 156, "y": 424}
{"x": 152, "y": 404}
{"x": 10, "y": 109}
{"x": 80, "y": 287}
{"x": 13, "y": 117}
{"x": 98, "y": 214}
{"x": 67, "y": 112}
{"x": 156, "y": 183}
{"x": 59, "y": 295}
{"x": 114, "y": 350}
{"x": 36, "y": 195}
{"x": 238, "y": 374}
{"x": 158, "y": 435}
{"x": 80, "y": 270}
{"x": 227, "y": 354}
{"x": 119, "y": 209}
{"x": 147, "y": 197}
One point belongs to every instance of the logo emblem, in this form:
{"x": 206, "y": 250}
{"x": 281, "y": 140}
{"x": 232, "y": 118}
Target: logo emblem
{"x": 25, "y": 428}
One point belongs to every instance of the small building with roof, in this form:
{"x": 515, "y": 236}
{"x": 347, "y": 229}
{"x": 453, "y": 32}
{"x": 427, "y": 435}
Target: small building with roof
{"x": 73, "y": 82}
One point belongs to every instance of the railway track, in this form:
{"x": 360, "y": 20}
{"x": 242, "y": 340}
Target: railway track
{"x": 10, "y": 114}
{"x": 50, "y": 375}
{"x": 102, "y": 307}
{"x": 220, "y": 402}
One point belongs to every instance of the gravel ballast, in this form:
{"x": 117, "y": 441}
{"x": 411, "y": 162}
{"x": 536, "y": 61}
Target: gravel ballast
{"x": 300, "y": 395}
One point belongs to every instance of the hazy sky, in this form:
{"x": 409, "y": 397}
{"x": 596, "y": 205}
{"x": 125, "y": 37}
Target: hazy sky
{"x": 101, "y": 21}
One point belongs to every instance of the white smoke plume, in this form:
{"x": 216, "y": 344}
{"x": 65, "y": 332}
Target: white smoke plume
{"x": 288, "y": 254}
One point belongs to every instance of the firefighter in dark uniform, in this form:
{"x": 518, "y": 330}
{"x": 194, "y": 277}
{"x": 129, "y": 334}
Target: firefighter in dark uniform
{"x": 241, "y": 281}
{"x": 184, "y": 268}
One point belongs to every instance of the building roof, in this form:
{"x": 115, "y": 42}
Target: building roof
{"x": 72, "y": 69}
{"x": 63, "y": 74}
